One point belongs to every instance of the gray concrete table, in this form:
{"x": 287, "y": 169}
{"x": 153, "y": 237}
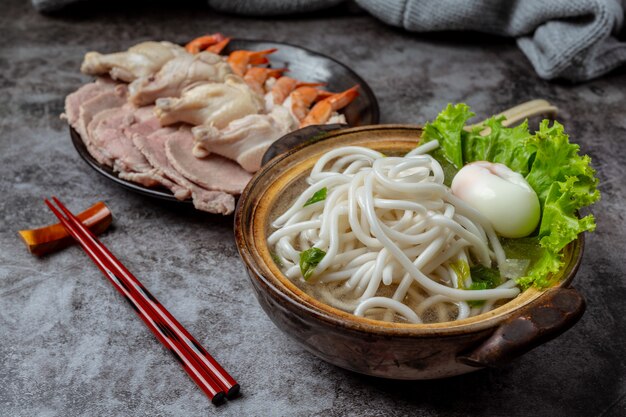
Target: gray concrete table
{"x": 70, "y": 346}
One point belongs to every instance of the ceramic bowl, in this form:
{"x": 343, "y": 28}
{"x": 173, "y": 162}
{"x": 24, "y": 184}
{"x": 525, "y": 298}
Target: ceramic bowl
{"x": 390, "y": 350}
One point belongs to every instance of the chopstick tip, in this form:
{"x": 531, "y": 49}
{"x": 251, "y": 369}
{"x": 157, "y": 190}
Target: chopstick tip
{"x": 218, "y": 398}
{"x": 233, "y": 392}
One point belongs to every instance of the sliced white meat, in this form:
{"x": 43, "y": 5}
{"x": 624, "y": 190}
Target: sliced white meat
{"x": 107, "y": 99}
{"x": 145, "y": 123}
{"x": 244, "y": 140}
{"x": 176, "y": 75}
{"x": 213, "y": 201}
{"x": 103, "y": 133}
{"x": 148, "y": 178}
{"x": 107, "y": 133}
{"x": 143, "y": 59}
{"x": 212, "y": 103}
{"x": 153, "y": 148}
{"x": 213, "y": 172}
{"x": 110, "y": 98}
{"x": 112, "y": 131}
{"x": 74, "y": 100}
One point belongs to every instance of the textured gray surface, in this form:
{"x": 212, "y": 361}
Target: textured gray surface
{"x": 70, "y": 346}
{"x": 568, "y": 39}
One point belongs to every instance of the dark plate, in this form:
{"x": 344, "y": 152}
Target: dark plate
{"x": 304, "y": 65}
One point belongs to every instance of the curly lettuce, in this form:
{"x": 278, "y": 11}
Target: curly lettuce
{"x": 563, "y": 179}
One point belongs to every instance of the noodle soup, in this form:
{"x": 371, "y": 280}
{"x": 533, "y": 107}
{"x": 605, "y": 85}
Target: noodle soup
{"x": 454, "y": 228}
{"x": 388, "y": 239}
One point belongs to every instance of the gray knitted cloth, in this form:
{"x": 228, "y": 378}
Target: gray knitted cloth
{"x": 571, "y": 39}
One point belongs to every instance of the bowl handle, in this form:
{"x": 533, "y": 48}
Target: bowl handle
{"x": 553, "y": 314}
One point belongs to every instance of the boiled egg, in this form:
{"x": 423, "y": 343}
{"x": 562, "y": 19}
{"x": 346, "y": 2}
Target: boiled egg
{"x": 501, "y": 195}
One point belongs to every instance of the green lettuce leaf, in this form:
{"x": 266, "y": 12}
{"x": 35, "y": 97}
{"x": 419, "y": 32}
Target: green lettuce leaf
{"x": 447, "y": 128}
{"x": 541, "y": 270}
{"x": 555, "y": 160}
{"x": 500, "y": 144}
{"x": 563, "y": 180}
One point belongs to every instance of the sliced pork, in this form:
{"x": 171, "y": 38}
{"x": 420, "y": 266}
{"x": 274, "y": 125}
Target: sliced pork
{"x": 153, "y": 148}
{"x": 145, "y": 122}
{"x": 74, "y": 100}
{"x": 84, "y": 104}
{"x": 176, "y": 75}
{"x": 143, "y": 59}
{"x": 104, "y": 129}
{"x": 111, "y": 132}
{"x": 213, "y": 201}
{"x": 107, "y": 132}
{"x": 213, "y": 172}
{"x": 214, "y": 104}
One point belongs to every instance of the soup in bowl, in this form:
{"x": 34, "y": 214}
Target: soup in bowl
{"x": 368, "y": 316}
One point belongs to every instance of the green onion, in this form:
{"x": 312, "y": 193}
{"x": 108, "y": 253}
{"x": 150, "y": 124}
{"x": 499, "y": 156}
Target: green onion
{"x": 319, "y": 195}
{"x": 309, "y": 259}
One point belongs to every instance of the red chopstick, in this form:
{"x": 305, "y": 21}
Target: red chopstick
{"x": 196, "y": 361}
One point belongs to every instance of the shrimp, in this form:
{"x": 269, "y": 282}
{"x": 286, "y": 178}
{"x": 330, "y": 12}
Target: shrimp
{"x": 218, "y": 47}
{"x": 203, "y": 42}
{"x": 256, "y": 76}
{"x": 303, "y": 97}
{"x": 285, "y": 85}
{"x": 239, "y": 60}
{"x": 322, "y": 111}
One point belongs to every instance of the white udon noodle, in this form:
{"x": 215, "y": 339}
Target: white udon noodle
{"x": 389, "y": 222}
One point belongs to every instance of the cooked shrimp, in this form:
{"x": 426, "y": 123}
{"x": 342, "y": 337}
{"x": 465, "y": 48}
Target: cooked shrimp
{"x": 285, "y": 85}
{"x": 239, "y": 60}
{"x": 303, "y": 97}
{"x": 203, "y": 42}
{"x": 218, "y": 47}
{"x": 323, "y": 110}
{"x": 256, "y": 77}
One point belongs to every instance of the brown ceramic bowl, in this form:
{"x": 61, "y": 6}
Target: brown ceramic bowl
{"x": 390, "y": 350}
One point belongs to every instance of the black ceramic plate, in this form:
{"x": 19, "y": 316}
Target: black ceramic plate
{"x": 303, "y": 65}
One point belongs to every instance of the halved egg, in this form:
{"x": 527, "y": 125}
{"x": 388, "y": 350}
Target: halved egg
{"x": 500, "y": 194}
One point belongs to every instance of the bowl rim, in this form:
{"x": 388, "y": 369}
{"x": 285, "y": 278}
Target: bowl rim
{"x": 300, "y": 302}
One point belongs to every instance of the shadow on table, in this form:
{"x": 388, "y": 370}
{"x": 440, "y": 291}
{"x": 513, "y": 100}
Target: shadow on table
{"x": 529, "y": 386}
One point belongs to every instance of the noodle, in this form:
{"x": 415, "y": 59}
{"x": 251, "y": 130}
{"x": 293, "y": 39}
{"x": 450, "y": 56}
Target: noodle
{"x": 389, "y": 225}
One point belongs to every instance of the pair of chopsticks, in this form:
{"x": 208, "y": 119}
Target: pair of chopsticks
{"x": 195, "y": 360}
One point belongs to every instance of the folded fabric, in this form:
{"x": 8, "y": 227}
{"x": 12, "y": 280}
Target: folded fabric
{"x": 571, "y": 39}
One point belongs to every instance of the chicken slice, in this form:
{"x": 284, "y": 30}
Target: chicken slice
{"x": 176, "y": 75}
{"x": 143, "y": 59}
{"x": 244, "y": 140}
{"x": 212, "y": 103}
